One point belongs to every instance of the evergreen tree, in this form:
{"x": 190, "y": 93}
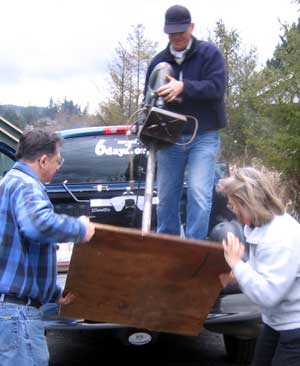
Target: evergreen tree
{"x": 11, "y": 116}
{"x": 126, "y": 77}
{"x": 52, "y": 109}
{"x": 241, "y": 73}
{"x": 279, "y": 97}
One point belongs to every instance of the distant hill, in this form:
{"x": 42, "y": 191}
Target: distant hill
{"x": 58, "y": 115}
{"x": 23, "y": 116}
{"x": 20, "y": 109}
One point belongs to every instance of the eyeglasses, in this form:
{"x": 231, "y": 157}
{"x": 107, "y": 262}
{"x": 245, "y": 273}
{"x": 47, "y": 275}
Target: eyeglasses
{"x": 60, "y": 162}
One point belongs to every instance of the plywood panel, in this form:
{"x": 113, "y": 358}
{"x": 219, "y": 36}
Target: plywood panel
{"x": 146, "y": 280}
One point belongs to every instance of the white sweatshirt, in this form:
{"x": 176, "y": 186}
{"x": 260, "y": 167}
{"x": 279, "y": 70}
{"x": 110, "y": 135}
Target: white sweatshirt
{"x": 271, "y": 276}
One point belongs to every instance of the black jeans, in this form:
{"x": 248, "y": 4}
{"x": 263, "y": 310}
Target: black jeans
{"x": 277, "y": 348}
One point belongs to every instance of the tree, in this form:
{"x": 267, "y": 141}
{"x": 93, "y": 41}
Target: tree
{"x": 69, "y": 108}
{"x": 283, "y": 70}
{"x": 275, "y": 134}
{"x": 11, "y": 116}
{"x": 126, "y": 77}
{"x": 141, "y": 52}
{"x": 279, "y": 105}
{"x": 241, "y": 73}
{"x": 52, "y": 109}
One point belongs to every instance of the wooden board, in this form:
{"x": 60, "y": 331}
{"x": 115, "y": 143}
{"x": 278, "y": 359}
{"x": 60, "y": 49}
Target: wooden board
{"x": 146, "y": 280}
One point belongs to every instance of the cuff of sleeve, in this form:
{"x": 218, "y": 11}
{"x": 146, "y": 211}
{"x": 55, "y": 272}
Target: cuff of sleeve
{"x": 82, "y": 230}
{"x": 239, "y": 271}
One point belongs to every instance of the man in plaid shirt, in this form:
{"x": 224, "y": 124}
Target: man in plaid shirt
{"x": 29, "y": 232}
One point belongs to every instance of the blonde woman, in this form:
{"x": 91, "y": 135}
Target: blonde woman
{"x": 271, "y": 275}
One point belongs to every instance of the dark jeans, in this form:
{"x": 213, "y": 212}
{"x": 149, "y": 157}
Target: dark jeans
{"x": 277, "y": 348}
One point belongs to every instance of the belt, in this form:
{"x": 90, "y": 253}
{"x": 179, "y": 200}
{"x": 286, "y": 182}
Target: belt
{"x": 19, "y": 300}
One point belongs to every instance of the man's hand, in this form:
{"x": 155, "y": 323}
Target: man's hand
{"x": 89, "y": 227}
{"x": 171, "y": 90}
{"x": 66, "y": 299}
{"x": 233, "y": 250}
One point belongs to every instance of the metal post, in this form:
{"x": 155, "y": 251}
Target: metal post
{"x": 146, "y": 219}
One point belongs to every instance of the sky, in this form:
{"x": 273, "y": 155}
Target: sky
{"x": 62, "y": 48}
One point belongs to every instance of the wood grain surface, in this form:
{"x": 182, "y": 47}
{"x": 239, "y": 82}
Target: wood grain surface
{"x": 146, "y": 280}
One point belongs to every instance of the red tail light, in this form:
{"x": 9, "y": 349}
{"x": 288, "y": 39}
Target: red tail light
{"x": 113, "y": 130}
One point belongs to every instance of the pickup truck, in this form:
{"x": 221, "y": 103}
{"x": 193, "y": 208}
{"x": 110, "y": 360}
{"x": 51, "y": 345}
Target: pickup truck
{"x": 103, "y": 177}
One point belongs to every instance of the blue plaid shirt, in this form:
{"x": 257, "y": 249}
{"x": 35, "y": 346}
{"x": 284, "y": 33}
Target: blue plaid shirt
{"x": 29, "y": 232}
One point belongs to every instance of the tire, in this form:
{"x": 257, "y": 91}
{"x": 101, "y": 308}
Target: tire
{"x": 238, "y": 349}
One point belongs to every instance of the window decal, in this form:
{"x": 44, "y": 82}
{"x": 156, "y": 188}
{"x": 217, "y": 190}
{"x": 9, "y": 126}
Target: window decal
{"x": 126, "y": 148}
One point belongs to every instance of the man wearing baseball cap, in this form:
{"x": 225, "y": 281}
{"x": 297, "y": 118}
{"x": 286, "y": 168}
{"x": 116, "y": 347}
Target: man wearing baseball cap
{"x": 177, "y": 19}
{"x": 196, "y": 89}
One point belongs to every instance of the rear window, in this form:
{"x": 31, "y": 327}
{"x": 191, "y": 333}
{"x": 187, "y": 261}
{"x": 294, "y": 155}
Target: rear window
{"x": 99, "y": 159}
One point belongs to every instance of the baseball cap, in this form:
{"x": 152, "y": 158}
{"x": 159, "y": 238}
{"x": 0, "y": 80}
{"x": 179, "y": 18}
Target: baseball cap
{"x": 177, "y": 19}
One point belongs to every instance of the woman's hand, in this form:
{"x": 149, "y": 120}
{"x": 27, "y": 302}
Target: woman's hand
{"x": 227, "y": 279}
{"x": 233, "y": 250}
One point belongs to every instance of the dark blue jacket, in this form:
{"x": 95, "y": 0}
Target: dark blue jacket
{"x": 204, "y": 77}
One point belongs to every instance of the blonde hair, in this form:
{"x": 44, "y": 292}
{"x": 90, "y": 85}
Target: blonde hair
{"x": 251, "y": 190}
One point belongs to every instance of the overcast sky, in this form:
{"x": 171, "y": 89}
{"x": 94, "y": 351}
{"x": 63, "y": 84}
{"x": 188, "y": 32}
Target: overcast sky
{"x": 61, "y": 48}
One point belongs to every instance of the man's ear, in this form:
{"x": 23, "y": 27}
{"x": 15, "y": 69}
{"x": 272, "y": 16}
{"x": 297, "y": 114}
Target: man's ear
{"x": 43, "y": 160}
